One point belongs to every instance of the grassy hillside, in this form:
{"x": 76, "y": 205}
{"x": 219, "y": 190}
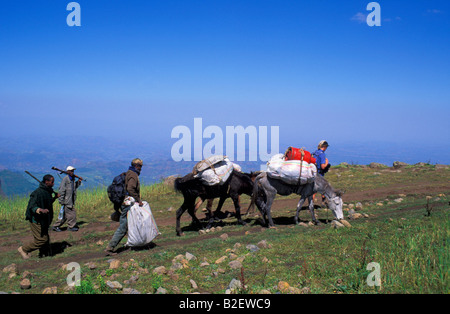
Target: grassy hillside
{"x": 14, "y": 183}
{"x": 401, "y": 223}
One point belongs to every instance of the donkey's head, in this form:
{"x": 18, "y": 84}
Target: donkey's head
{"x": 335, "y": 204}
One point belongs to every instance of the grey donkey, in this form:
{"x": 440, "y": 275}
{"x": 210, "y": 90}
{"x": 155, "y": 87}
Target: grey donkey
{"x": 266, "y": 188}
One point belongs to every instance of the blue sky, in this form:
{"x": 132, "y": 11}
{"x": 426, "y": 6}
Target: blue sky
{"x": 313, "y": 68}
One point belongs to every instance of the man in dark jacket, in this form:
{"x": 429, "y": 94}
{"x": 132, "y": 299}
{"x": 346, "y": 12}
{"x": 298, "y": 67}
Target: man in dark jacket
{"x": 133, "y": 187}
{"x": 40, "y": 214}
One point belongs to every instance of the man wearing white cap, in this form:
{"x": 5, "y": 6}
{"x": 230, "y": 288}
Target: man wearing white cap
{"x": 322, "y": 163}
{"x": 68, "y": 195}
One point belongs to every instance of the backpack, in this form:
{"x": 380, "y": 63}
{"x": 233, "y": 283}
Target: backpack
{"x": 117, "y": 190}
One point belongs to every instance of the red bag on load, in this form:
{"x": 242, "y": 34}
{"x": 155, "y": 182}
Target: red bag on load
{"x": 293, "y": 153}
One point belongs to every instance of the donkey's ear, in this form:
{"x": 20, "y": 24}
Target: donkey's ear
{"x": 339, "y": 192}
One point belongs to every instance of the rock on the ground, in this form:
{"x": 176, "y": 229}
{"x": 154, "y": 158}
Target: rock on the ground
{"x": 235, "y": 264}
{"x": 161, "y": 270}
{"x": 399, "y": 164}
{"x": 161, "y": 290}
{"x": 12, "y": 268}
{"x": 252, "y": 247}
{"x": 115, "y": 285}
{"x": 114, "y": 264}
{"x": 193, "y": 284}
{"x": 221, "y": 259}
{"x": 50, "y": 290}
{"x": 190, "y": 256}
{"x": 355, "y": 216}
{"x": 263, "y": 244}
{"x": 283, "y": 286}
{"x": 130, "y": 291}
{"x": 336, "y": 224}
{"x": 25, "y": 284}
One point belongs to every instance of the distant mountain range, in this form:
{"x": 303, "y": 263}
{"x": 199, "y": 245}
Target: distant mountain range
{"x": 14, "y": 183}
{"x": 100, "y": 159}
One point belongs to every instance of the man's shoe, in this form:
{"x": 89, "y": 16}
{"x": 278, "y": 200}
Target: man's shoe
{"x": 110, "y": 251}
{"x": 74, "y": 229}
{"x": 57, "y": 229}
{"x": 23, "y": 253}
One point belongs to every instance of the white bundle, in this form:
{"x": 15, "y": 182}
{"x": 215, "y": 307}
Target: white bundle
{"x": 208, "y": 163}
{"x": 142, "y": 228}
{"x": 237, "y": 167}
{"x": 289, "y": 170}
{"x": 217, "y": 173}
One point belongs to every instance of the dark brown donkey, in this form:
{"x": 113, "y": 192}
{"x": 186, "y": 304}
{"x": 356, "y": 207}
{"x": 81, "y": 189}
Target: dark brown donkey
{"x": 238, "y": 183}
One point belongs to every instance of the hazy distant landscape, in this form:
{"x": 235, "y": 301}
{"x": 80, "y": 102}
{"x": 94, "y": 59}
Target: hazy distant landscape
{"x": 99, "y": 159}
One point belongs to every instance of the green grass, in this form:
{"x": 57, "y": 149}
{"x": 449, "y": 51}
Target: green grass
{"x": 409, "y": 243}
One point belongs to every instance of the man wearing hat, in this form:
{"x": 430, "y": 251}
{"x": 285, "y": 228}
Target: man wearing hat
{"x": 322, "y": 163}
{"x": 68, "y": 195}
{"x": 133, "y": 189}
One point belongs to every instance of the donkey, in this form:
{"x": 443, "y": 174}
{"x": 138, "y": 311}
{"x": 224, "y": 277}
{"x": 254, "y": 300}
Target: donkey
{"x": 238, "y": 183}
{"x": 266, "y": 188}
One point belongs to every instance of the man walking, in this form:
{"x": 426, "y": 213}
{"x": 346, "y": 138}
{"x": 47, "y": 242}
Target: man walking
{"x": 68, "y": 195}
{"x": 132, "y": 186}
{"x": 40, "y": 214}
{"x": 322, "y": 163}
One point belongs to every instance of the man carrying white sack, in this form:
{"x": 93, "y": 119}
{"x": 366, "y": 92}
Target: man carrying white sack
{"x": 133, "y": 188}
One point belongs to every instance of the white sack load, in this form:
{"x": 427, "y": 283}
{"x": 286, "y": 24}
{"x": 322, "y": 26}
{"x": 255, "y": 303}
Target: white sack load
{"x": 217, "y": 173}
{"x": 289, "y": 170}
{"x": 208, "y": 163}
{"x": 237, "y": 167}
{"x": 142, "y": 228}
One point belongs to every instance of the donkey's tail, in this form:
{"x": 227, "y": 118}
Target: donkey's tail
{"x": 177, "y": 184}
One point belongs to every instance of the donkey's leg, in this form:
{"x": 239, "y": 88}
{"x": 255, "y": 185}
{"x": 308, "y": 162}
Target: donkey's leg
{"x": 209, "y": 205}
{"x": 259, "y": 195}
{"x": 213, "y": 216}
{"x": 237, "y": 207}
{"x": 270, "y": 198}
{"x": 299, "y": 207}
{"x": 191, "y": 211}
{"x": 311, "y": 210}
{"x": 179, "y": 213}
{"x": 262, "y": 209}
{"x": 219, "y": 207}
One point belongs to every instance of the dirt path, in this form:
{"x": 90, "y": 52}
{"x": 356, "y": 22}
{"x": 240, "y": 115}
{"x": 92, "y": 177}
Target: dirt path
{"x": 279, "y": 204}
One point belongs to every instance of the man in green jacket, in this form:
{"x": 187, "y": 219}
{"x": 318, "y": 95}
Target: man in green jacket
{"x": 40, "y": 214}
